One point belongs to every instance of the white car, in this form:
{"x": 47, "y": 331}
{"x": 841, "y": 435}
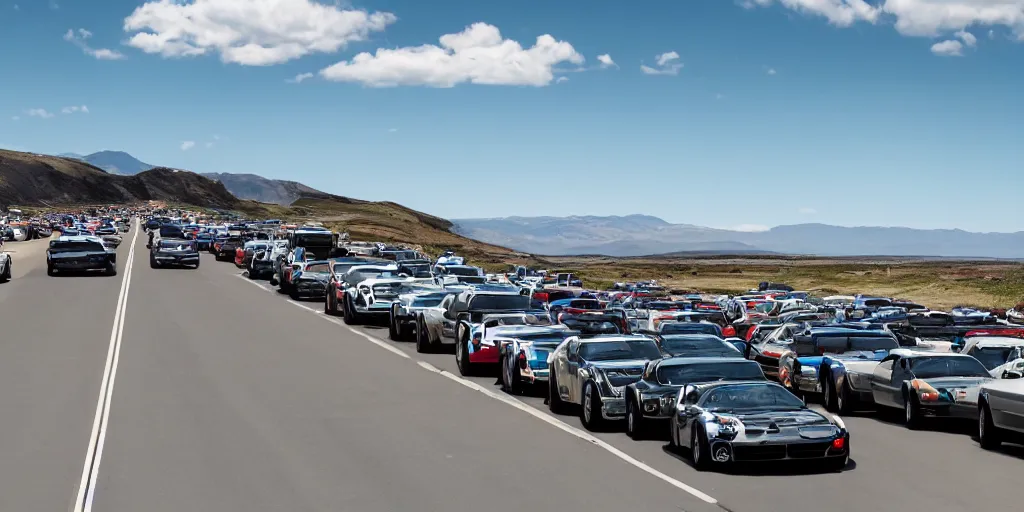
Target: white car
{"x": 5, "y": 264}
{"x": 999, "y": 354}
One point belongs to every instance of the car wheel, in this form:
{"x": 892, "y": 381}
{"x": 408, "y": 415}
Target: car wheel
{"x": 511, "y": 380}
{"x": 6, "y": 276}
{"x": 700, "y": 451}
{"x": 393, "y": 334}
{"x": 844, "y": 398}
{"x": 423, "y": 345}
{"x": 989, "y": 435}
{"x": 111, "y": 269}
{"x": 828, "y": 394}
{"x": 346, "y": 305}
{"x": 634, "y": 420}
{"x": 196, "y": 266}
{"x": 462, "y": 353}
{"x": 590, "y": 412}
{"x": 50, "y": 270}
{"x": 912, "y": 413}
{"x": 837, "y": 464}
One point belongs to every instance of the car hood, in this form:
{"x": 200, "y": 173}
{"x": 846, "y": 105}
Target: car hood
{"x": 628, "y": 364}
{"x": 803, "y": 417}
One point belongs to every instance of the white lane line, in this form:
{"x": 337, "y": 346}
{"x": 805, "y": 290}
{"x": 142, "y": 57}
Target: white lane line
{"x": 565, "y": 427}
{"x": 547, "y": 418}
{"x": 371, "y": 339}
{"x": 94, "y": 453}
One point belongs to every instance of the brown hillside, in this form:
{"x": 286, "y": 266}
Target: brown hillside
{"x": 28, "y": 179}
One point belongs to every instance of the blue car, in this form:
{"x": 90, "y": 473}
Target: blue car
{"x": 803, "y": 368}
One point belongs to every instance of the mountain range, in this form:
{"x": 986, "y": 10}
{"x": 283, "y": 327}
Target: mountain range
{"x": 641, "y": 235}
{"x": 243, "y": 186}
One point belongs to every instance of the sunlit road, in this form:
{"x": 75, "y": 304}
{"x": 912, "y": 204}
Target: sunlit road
{"x": 227, "y": 396}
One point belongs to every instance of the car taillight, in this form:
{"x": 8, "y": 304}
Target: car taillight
{"x": 929, "y": 396}
{"x": 729, "y": 331}
{"x": 522, "y": 360}
{"x": 838, "y": 443}
{"x": 772, "y": 353}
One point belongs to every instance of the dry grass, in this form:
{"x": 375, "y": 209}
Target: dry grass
{"x": 938, "y": 284}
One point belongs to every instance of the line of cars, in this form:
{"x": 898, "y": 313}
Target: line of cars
{"x": 725, "y": 378}
{"x": 87, "y": 241}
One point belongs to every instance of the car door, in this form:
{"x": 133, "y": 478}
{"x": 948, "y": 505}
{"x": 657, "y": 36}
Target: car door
{"x": 572, "y": 371}
{"x": 881, "y": 381}
{"x": 449, "y": 320}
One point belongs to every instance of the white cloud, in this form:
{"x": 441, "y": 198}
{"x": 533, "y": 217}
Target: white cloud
{"x": 991, "y": 34}
{"x": 300, "y": 78}
{"x": 926, "y": 18}
{"x": 392, "y": 130}
{"x": 750, "y": 228}
{"x": 187, "y": 145}
{"x": 79, "y": 39}
{"x": 606, "y": 61}
{"x": 807, "y": 211}
{"x": 967, "y": 37}
{"x": 561, "y": 79}
{"x": 771, "y": 71}
{"x": 209, "y": 145}
{"x": 248, "y": 32}
{"x": 75, "y": 109}
{"x": 39, "y": 112}
{"x": 16, "y": 8}
{"x": 948, "y": 48}
{"x": 666, "y": 65}
{"x": 477, "y": 55}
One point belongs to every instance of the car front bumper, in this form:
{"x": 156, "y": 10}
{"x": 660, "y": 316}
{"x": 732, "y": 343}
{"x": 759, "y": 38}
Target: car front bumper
{"x": 177, "y": 259}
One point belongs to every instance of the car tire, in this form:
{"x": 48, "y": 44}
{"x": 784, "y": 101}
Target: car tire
{"x": 912, "y": 413}
{"x": 348, "y": 311}
{"x": 838, "y": 464}
{"x": 511, "y": 381}
{"x": 6, "y": 275}
{"x": 111, "y": 269}
{"x": 844, "y": 398}
{"x": 700, "y": 450}
{"x": 50, "y": 271}
{"x": 590, "y": 408}
{"x": 828, "y": 393}
{"x": 462, "y": 353}
{"x": 393, "y": 333}
{"x": 989, "y": 436}
{"x": 423, "y": 345}
{"x": 635, "y": 424}
{"x": 196, "y": 266}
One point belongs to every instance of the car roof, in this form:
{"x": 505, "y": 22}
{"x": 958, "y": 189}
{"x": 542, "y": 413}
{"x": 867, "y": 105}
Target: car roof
{"x": 79, "y": 238}
{"x": 604, "y": 338}
{"x": 683, "y": 360}
{"x": 904, "y": 352}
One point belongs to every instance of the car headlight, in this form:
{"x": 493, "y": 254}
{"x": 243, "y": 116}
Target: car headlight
{"x": 808, "y": 370}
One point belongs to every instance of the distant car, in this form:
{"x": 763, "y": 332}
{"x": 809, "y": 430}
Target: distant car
{"x": 725, "y": 422}
{"x": 80, "y": 253}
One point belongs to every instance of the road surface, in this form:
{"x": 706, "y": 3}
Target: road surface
{"x": 228, "y": 396}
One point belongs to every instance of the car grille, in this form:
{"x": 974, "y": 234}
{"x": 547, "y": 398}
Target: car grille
{"x": 384, "y": 292}
{"x": 781, "y": 451}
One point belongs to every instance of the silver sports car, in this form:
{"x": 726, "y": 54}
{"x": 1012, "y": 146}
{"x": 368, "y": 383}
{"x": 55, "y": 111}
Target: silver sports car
{"x": 724, "y": 422}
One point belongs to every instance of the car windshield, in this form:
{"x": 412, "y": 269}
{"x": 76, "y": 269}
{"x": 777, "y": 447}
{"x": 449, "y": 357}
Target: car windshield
{"x": 991, "y": 357}
{"x": 172, "y": 244}
{"x": 871, "y": 344}
{"x": 688, "y": 373}
{"x": 318, "y": 268}
{"x": 948, "y": 366}
{"x": 696, "y": 346}
{"x": 750, "y": 396}
{"x": 501, "y": 302}
{"x": 462, "y": 271}
{"x": 427, "y": 302}
{"x": 75, "y": 246}
{"x": 546, "y": 338}
{"x": 314, "y": 240}
{"x": 689, "y": 327}
{"x": 619, "y": 349}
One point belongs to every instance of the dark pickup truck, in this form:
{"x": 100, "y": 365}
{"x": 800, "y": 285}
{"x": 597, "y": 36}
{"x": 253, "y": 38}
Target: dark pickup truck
{"x": 80, "y": 253}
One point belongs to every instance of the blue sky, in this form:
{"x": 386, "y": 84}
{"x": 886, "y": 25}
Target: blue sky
{"x": 774, "y": 112}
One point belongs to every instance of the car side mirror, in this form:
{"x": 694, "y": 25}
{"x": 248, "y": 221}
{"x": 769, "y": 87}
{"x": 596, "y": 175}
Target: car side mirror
{"x": 1012, "y": 374}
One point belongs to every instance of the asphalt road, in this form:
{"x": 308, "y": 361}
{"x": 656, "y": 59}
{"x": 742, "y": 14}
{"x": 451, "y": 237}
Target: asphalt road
{"x": 228, "y": 396}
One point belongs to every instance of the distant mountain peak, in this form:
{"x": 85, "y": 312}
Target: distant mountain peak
{"x": 114, "y": 162}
